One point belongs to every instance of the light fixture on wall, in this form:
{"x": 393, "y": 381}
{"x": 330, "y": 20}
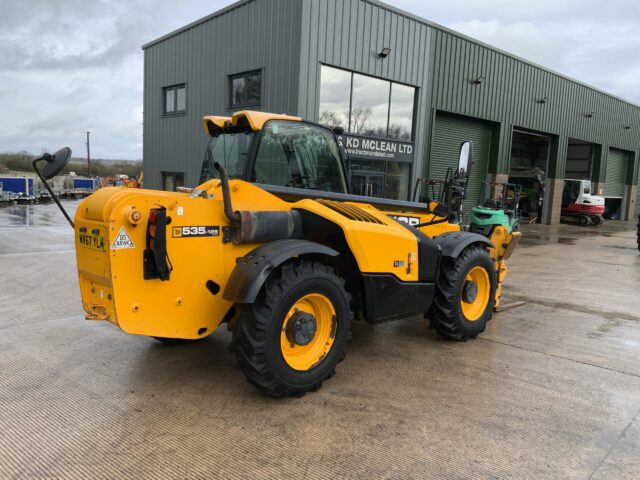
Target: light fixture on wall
{"x": 478, "y": 80}
{"x": 589, "y": 114}
{"x": 385, "y": 52}
{"x": 542, "y": 100}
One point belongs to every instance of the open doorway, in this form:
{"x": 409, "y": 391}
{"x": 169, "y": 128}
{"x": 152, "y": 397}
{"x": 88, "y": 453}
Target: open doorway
{"x": 529, "y": 163}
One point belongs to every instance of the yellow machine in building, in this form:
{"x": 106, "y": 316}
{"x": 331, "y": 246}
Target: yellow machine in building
{"x": 272, "y": 244}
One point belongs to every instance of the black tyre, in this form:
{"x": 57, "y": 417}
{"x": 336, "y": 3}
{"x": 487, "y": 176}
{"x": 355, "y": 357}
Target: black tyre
{"x": 465, "y": 295}
{"x": 292, "y": 337}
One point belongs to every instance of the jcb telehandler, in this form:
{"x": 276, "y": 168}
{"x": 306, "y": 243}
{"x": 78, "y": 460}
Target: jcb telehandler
{"x": 272, "y": 244}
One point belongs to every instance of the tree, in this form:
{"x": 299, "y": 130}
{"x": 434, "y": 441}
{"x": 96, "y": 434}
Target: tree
{"x": 359, "y": 119}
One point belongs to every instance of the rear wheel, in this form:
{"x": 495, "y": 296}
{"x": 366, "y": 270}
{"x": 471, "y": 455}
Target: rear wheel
{"x": 465, "y": 295}
{"x": 292, "y": 337}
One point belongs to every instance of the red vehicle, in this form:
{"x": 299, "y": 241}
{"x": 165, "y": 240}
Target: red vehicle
{"x": 578, "y": 204}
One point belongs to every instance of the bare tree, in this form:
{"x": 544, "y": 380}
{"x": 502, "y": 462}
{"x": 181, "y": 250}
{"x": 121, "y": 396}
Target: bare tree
{"x": 359, "y": 118}
{"x": 330, "y": 118}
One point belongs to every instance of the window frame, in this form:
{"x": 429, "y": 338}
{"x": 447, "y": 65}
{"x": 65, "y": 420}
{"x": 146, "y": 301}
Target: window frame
{"x": 253, "y": 152}
{"x": 174, "y": 89}
{"x": 245, "y": 75}
{"x": 391, "y": 83}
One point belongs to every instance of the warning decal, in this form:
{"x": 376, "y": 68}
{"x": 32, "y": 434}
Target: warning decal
{"x": 122, "y": 240}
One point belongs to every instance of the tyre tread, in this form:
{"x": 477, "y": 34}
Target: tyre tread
{"x": 249, "y": 339}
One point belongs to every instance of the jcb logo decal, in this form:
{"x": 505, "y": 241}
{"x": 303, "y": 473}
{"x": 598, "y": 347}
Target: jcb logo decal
{"x": 406, "y": 219}
{"x": 199, "y": 231}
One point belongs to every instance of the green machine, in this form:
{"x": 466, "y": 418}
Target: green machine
{"x": 500, "y": 209}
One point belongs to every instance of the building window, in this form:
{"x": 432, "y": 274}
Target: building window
{"x": 246, "y": 89}
{"x": 365, "y": 105}
{"x": 374, "y": 178}
{"x": 175, "y": 99}
{"x": 171, "y": 181}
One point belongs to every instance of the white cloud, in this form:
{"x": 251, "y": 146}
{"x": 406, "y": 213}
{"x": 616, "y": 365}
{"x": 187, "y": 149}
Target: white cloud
{"x": 70, "y": 66}
{"x": 67, "y": 66}
{"x": 524, "y": 39}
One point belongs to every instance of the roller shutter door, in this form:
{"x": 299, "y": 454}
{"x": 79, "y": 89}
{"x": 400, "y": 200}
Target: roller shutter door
{"x": 448, "y": 133}
{"x": 615, "y": 173}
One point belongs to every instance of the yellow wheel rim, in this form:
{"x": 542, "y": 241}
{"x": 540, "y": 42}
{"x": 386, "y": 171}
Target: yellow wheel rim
{"x": 304, "y": 357}
{"x": 475, "y": 293}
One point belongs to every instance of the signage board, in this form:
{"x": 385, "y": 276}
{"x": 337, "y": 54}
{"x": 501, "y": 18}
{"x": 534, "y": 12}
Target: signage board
{"x": 373, "y": 148}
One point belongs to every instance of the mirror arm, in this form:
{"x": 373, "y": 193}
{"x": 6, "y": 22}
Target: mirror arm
{"x": 53, "y": 195}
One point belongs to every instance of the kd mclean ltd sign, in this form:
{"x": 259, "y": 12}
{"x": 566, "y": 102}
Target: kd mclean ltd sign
{"x": 371, "y": 148}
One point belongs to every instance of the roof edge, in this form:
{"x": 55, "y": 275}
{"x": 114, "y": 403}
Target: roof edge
{"x": 195, "y": 23}
{"x": 480, "y": 43}
{"x": 412, "y": 16}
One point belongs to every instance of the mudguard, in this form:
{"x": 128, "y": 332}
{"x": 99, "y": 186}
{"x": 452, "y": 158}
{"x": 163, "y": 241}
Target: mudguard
{"x": 252, "y": 270}
{"x": 453, "y": 243}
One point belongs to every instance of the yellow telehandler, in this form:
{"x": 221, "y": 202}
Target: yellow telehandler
{"x": 272, "y": 244}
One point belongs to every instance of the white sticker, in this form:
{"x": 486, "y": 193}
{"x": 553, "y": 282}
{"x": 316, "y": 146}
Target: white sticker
{"x": 180, "y": 211}
{"x": 122, "y": 240}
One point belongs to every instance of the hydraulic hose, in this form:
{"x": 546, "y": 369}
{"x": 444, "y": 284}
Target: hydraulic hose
{"x": 234, "y": 217}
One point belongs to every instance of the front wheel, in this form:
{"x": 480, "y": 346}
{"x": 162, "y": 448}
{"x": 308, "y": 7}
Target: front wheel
{"x": 294, "y": 334}
{"x": 465, "y": 295}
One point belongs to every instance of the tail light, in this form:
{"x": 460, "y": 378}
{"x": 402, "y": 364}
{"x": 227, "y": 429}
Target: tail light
{"x": 156, "y": 259}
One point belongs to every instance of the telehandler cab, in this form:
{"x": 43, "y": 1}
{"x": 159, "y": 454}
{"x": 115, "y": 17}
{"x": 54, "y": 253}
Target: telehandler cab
{"x": 272, "y": 244}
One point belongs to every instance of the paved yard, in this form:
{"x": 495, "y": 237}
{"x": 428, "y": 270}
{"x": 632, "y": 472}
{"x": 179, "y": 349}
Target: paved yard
{"x": 550, "y": 390}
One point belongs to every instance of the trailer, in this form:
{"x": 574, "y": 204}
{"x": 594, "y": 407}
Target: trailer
{"x": 19, "y": 189}
{"x": 18, "y": 185}
{"x": 89, "y": 184}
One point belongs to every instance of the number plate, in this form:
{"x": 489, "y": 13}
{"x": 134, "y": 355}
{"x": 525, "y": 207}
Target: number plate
{"x": 94, "y": 242}
{"x": 199, "y": 231}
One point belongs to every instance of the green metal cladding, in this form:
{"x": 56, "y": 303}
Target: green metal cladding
{"x": 290, "y": 39}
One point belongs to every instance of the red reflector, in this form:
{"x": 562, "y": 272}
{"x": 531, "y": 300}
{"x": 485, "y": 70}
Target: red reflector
{"x": 153, "y": 216}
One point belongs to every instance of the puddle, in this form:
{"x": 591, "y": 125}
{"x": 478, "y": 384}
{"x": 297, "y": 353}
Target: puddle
{"x": 36, "y": 215}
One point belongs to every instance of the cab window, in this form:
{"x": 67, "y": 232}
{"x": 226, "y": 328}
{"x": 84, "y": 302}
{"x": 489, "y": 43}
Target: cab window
{"x": 296, "y": 154}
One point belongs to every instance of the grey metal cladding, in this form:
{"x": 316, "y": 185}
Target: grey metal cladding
{"x": 249, "y": 35}
{"x": 350, "y": 34}
{"x": 291, "y": 38}
{"x": 441, "y": 62}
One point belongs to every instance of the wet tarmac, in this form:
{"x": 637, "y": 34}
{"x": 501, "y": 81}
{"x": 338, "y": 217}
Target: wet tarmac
{"x": 550, "y": 390}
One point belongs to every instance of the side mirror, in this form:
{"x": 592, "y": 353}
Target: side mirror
{"x": 55, "y": 163}
{"x": 465, "y": 161}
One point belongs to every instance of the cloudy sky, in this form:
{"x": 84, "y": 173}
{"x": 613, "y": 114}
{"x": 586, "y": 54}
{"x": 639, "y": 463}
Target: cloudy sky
{"x": 67, "y": 66}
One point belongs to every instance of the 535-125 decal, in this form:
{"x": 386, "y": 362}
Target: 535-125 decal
{"x": 195, "y": 231}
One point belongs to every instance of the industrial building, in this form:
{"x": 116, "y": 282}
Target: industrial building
{"x": 407, "y": 92}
